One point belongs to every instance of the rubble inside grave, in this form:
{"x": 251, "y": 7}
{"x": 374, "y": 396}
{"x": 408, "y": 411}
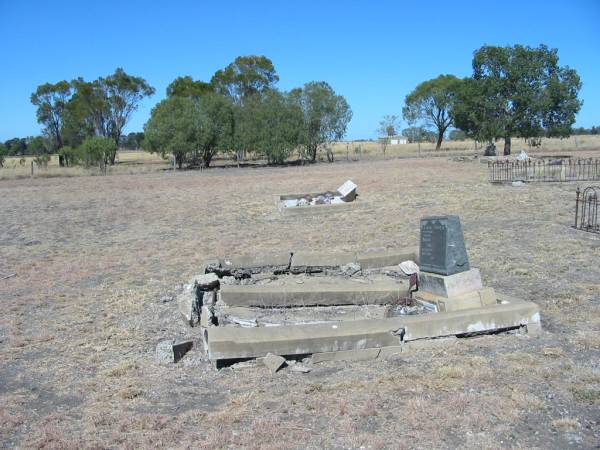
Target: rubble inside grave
{"x": 344, "y": 195}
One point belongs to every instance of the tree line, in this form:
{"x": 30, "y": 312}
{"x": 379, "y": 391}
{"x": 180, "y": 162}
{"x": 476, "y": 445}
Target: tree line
{"x": 514, "y": 91}
{"x": 239, "y": 111}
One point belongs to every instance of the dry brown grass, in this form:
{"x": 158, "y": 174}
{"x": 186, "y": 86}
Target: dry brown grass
{"x": 94, "y": 256}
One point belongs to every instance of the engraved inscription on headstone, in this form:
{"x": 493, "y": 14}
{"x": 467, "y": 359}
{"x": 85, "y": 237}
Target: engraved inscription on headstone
{"x": 442, "y": 246}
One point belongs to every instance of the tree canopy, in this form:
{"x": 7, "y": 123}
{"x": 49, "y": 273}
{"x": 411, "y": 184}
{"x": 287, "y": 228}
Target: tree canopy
{"x": 272, "y": 125}
{"x": 517, "y": 91}
{"x": 432, "y": 102}
{"x": 326, "y": 115}
{"x": 189, "y": 128}
{"x": 188, "y": 87}
{"x": 246, "y": 76}
{"x": 51, "y": 101}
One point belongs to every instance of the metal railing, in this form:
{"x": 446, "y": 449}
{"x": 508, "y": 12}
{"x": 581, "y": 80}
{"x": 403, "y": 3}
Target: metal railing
{"x": 586, "y": 209}
{"x": 506, "y": 171}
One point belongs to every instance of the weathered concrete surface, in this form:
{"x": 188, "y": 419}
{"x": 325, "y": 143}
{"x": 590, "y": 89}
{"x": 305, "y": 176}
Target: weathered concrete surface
{"x": 206, "y": 281}
{"x": 346, "y": 355}
{"x": 273, "y": 362}
{"x": 384, "y": 352}
{"x": 450, "y": 285}
{"x": 187, "y": 304}
{"x": 490, "y": 318}
{"x": 300, "y": 260}
{"x": 387, "y": 257}
{"x": 234, "y": 342}
{"x": 314, "y": 292}
{"x": 473, "y": 299}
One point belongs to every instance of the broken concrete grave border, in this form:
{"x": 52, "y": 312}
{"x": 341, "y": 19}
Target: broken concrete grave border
{"x": 478, "y": 311}
{"x": 225, "y": 343}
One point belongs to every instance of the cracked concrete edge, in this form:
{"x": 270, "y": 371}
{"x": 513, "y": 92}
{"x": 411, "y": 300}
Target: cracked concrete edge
{"x": 384, "y": 352}
{"x": 301, "y": 259}
{"x": 233, "y": 342}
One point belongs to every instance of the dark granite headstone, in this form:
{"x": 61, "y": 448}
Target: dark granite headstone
{"x": 442, "y": 248}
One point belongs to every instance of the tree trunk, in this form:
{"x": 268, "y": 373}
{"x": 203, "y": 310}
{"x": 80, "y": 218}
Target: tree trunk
{"x": 312, "y": 151}
{"x": 440, "y": 138}
{"x": 206, "y": 159}
{"x": 329, "y": 155}
{"x": 507, "y": 146}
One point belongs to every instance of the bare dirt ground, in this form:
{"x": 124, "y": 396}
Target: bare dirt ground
{"x": 97, "y": 261}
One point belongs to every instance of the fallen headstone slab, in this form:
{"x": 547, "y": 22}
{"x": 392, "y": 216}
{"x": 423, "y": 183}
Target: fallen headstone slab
{"x": 273, "y": 362}
{"x": 348, "y": 191}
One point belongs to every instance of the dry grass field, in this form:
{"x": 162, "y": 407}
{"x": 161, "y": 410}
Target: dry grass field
{"x": 97, "y": 261}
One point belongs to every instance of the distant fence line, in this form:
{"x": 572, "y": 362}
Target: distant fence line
{"x": 506, "y": 171}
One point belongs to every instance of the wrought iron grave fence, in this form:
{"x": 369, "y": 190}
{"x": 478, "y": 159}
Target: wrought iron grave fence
{"x": 586, "y": 209}
{"x": 506, "y": 171}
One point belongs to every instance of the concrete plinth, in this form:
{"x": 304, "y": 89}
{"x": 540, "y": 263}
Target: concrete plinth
{"x": 474, "y": 299}
{"x": 343, "y": 292}
{"x": 450, "y": 285}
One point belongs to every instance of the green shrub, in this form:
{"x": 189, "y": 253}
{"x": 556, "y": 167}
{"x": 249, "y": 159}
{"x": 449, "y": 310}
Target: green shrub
{"x": 96, "y": 151}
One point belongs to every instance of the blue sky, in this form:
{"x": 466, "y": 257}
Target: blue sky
{"x": 373, "y": 53}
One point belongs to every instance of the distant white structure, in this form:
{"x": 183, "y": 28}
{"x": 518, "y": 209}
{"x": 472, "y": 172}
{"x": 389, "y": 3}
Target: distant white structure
{"x": 398, "y": 140}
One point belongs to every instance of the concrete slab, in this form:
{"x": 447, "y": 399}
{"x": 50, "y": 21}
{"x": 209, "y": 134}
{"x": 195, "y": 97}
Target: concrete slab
{"x": 490, "y": 318}
{"x": 450, "y": 285}
{"x": 388, "y": 257}
{"x": 314, "y": 292}
{"x": 235, "y": 342}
